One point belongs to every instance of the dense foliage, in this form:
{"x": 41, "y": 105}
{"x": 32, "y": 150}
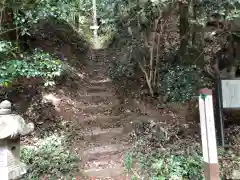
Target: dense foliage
{"x": 49, "y": 159}
{"x": 181, "y": 83}
{"x": 22, "y": 18}
{"x": 163, "y": 166}
{"x": 147, "y": 32}
{"x": 37, "y": 64}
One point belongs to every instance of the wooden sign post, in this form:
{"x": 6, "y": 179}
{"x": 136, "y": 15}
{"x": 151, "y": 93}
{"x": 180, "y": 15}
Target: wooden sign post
{"x": 208, "y": 135}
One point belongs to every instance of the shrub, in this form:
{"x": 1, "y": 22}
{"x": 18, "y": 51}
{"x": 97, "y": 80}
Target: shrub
{"x": 48, "y": 158}
{"x": 38, "y": 64}
{"x": 177, "y": 167}
{"x": 162, "y": 166}
{"x": 180, "y": 83}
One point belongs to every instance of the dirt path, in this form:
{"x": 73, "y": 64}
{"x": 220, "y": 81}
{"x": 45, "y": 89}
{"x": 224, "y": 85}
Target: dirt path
{"x": 100, "y": 130}
{"x": 105, "y": 140}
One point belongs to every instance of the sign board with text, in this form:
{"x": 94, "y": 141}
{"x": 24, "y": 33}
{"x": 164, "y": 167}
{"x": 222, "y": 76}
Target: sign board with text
{"x": 227, "y": 97}
{"x": 230, "y": 93}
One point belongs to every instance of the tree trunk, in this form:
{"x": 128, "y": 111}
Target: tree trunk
{"x": 197, "y": 35}
{"x": 194, "y": 26}
{"x": 183, "y": 29}
{"x": 8, "y": 30}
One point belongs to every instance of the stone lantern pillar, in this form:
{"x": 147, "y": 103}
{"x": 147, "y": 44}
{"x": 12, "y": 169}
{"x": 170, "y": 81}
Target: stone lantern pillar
{"x": 12, "y": 126}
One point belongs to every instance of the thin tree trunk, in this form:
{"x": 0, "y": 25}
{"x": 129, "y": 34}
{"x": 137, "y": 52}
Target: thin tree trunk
{"x": 183, "y": 29}
{"x": 194, "y": 26}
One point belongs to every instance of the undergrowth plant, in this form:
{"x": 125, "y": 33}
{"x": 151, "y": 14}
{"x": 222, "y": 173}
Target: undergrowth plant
{"x": 49, "y": 158}
{"x": 37, "y": 64}
{"x": 165, "y": 166}
{"x": 181, "y": 83}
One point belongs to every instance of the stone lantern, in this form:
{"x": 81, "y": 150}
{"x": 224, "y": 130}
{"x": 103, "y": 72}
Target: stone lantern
{"x": 12, "y": 126}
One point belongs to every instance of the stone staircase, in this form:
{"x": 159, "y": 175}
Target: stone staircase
{"x": 104, "y": 136}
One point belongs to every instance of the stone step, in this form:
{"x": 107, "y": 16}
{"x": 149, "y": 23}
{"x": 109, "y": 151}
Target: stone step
{"x": 98, "y": 60}
{"x": 100, "y": 94}
{"x": 105, "y": 162}
{"x": 110, "y": 121}
{"x": 101, "y": 164}
{"x": 99, "y": 77}
{"x": 99, "y": 100}
{"x": 95, "y": 101}
{"x": 99, "y": 134}
{"x": 96, "y": 89}
{"x": 104, "y": 173}
{"x": 96, "y": 72}
{"x": 98, "y": 57}
{"x": 103, "y": 121}
{"x": 99, "y": 108}
{"x": 103, "y": 81}
{"x": 97, "y": 97}
{"x": 97, "y": 51}
{"x": 92, "y": 60}
{"x": 93, "y": 63}
{"x": 98, "y": 83}
{"x": 96, "y": 153}
{"x": 101, "y": 52}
